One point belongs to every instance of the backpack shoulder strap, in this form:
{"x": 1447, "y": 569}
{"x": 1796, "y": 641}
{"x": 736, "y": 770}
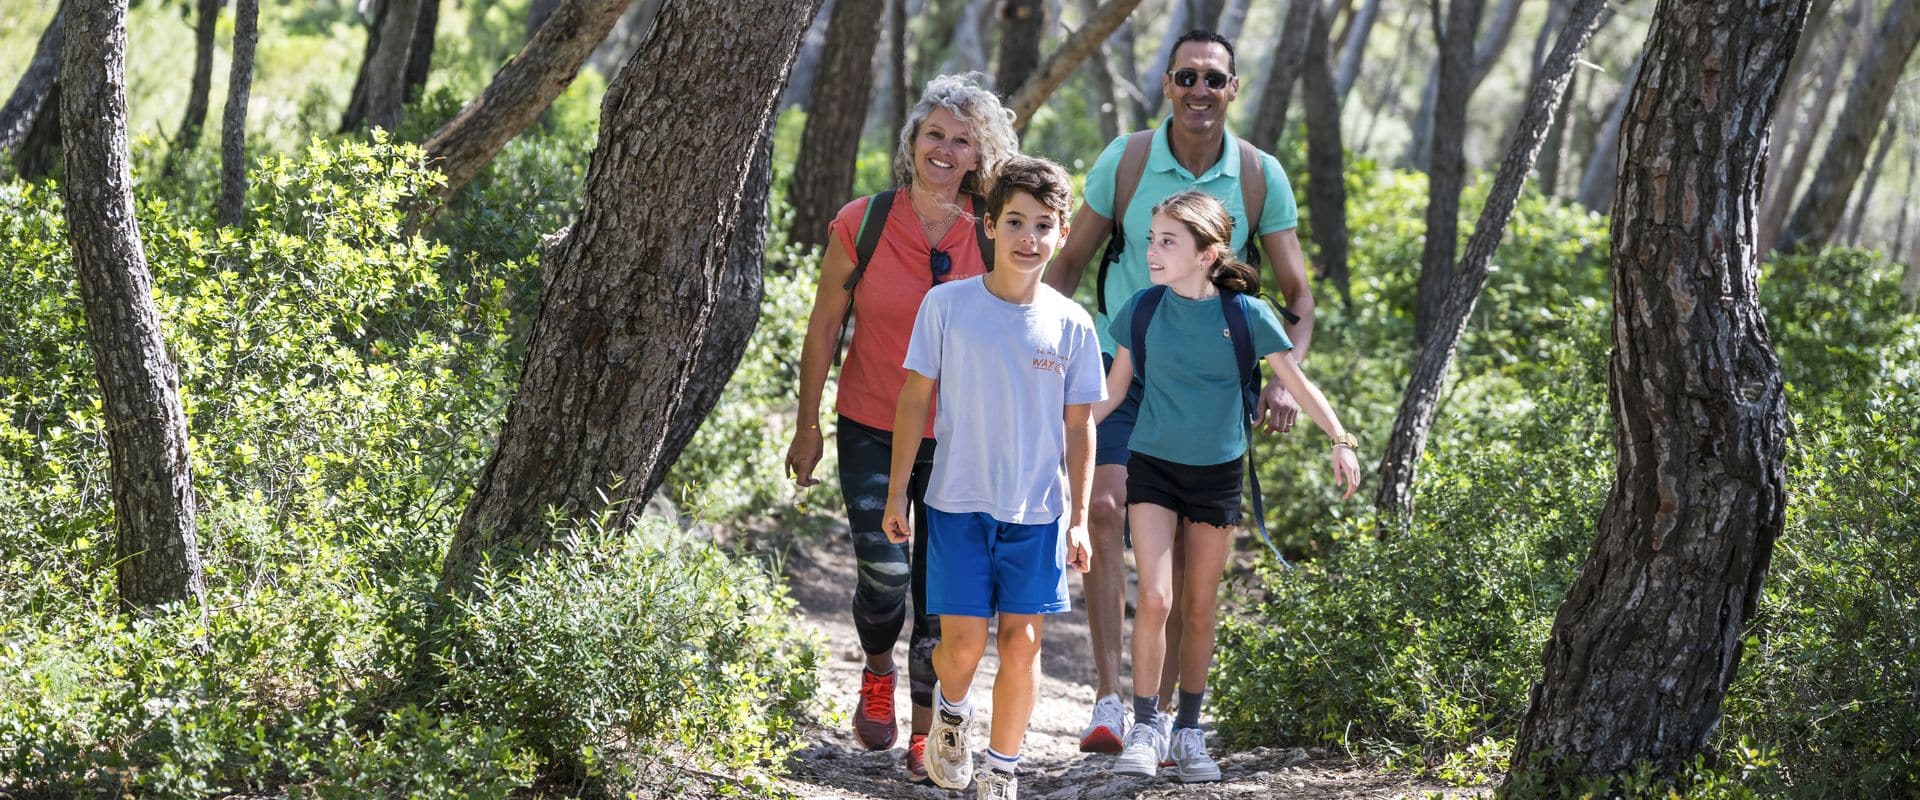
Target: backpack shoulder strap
{"x": 873, "y": 223}
{"x": 980, "y": 231}
{"x": 1234, "y": 305}
{"x": 1253, "y": 186}
{"x": 1126, "y": 179}
{"x": 1143, "y": 309}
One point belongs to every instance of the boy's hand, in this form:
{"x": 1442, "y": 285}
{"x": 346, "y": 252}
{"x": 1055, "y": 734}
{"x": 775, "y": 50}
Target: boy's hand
{"x": 894, "y": 524}
{"x": 1079, "y": 548}
{"x": 1346, "y": 470}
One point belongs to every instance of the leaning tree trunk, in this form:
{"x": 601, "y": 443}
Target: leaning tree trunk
{"x": 158, "y": 557}
{"x": 33, "y": 96}
{"x": 1276, "y": 92}
{"x": 1862, "y": 206}
{"x": 898, "y": 101}
{"x": 1354, "y": 49}
{"x": 1393, "y": 501}
{"x": 1326, "y": 156}
{"x": 1783, "y": 177}
{"x": 35, "y": 156}
{"x": 602, "y": 385}
{"x": 1648, "y": 638}
{"x": 233, "y": 134}
{"x": 420, "y": 53}
{"x": 1603, "y": 159}
{"x": 206, "y": 19}
{"x": 1060, "y": 64}
{"x": 380, "y": 88}
{"x": 1180, "y": 21}
{"x": 1021, "y": 22}
{"x": 1492, "y": 42}
{"x": 830, "y": 145}
{"x": 1447, "y": 170}
{"x": 521, "y": 90}
{"x": 1818, "y": 214}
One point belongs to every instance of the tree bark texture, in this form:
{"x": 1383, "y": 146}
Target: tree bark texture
{"x": 1603, "y": 159}
{"x": 420, "y": 54}
{"x": 1326, "y": 157}
{"x": 1863, "y": 204}
{"x": 1648, "y": 638}
{"x": 633, "y": 288}
{"x": 830, "y": 145}
{"x": 33, "y": 95}
{"x": 537, "y": 13}
{"x": 1064, "y": 59}
{"x": 799, "y": 81}
{"x": 1553, "y": 150}
{"x": 1447, "y": 174}
{"x": 1021, "y": 22}
{"x": 387, "y": 69}
{"x": 233, "y": 134}
{"x": 1421, "y": 402}
{"x": 1276, "y": 92}
{"x": 899, "y": 102}
{"x": 1486, "y": 54}
{"x": 1784, "y": 176}
{"x": 36, "y": 155}
{"x": 206, "y": 19}
{"x": 153, "y": 504}
{"x": 1818, "y": 214}
{"x": 635, "y": 25}
{"x": 521, "y": 90}
{"x": 1354, "y": 49}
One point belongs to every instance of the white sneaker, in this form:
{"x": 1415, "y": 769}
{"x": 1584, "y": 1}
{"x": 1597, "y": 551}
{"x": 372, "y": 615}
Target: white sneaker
{"x": 1191, "y": 763}
{"x": 997, "y": 785}
{"x": 1145, "y": 748}
{"x": 949, "y": 747}
{"x": 1165, "y": 722}
{"x": 1109, "y": 725}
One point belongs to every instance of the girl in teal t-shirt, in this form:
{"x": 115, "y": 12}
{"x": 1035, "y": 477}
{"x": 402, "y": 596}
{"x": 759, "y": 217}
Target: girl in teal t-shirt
{"x": 1185, "y": 471}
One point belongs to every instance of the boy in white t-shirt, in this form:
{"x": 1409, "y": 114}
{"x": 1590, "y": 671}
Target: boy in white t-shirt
{"x": 1017, "y": 369}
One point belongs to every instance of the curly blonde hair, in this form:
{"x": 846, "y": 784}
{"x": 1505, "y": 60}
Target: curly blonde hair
{"x": 966, "y": 97}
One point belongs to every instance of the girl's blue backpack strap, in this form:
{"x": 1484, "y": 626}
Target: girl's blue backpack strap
{"x": 1147, "y": 302}
{"x": 1234, "y": 305}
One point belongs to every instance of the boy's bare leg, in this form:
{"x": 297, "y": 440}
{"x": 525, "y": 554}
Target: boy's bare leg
{"x": 1106, "y": 579}
{"x": 1019, "y": 644}
{"x": 963, "y": 640}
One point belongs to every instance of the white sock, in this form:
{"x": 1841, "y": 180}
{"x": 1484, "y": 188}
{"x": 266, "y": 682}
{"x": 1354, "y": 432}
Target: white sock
{"x": 962, "y": 709}
{"x": 1002, "y": 763}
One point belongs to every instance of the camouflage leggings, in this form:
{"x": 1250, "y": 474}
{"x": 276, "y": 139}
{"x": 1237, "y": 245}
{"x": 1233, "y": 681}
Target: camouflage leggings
{"x": 888, "y": 571}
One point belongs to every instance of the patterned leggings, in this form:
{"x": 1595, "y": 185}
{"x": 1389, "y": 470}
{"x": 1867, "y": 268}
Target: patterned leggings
{"x": 888, "y": 571}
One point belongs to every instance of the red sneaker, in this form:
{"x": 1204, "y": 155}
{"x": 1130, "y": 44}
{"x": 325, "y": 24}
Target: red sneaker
{"x": 873, "y": 722}
{"x": 917, "y": 759}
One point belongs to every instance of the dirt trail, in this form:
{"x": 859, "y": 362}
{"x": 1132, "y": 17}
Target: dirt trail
{"x": 831, "y": 764}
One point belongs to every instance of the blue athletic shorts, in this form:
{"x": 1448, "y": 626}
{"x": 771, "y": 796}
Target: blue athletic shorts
{"x": 1110, "y": 438}
{"x": 978, "y": 566}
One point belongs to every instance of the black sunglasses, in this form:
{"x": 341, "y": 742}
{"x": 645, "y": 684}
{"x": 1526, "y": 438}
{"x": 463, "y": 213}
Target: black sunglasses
{"x": 940, "y": 263}
{"x": 1186, "y": 78}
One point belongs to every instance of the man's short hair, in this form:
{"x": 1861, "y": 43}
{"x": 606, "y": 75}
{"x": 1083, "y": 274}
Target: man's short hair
{"x": 1201, "y": 35}
{"x": 1042, "y": 179}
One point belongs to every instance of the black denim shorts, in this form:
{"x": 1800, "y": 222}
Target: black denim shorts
{"x": 1209, "y": 495}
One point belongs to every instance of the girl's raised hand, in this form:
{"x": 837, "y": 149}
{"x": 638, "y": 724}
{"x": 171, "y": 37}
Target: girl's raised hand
{"x": 1346, "y": 469}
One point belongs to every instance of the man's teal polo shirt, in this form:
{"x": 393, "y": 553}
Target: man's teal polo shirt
{"x": 1160, "y": 179}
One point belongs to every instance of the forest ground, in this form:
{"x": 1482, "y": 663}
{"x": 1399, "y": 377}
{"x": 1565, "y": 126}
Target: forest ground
{"x": 831, "y": 764}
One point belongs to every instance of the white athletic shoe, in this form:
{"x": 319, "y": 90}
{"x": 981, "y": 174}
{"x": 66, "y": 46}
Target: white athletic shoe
{"x": 1103, "y": 734}
{"x": 997, "y": 785}
{"x": 949, "y": 747}
{"x": 1191, "y": 763}
{"x": 1145, "y": 748}
{"x": 1165, "y": 721}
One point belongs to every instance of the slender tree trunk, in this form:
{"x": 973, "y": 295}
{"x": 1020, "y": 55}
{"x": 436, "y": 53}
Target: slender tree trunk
{"x": 1554, "y": 149}
{"x": 823, "y": 172}
{"x": 537, "y": 13}
{"x": 899, "y": 102}
{"x": 233, "y": 133}
{"x": 1326, "y": 157}
{"x": 1861, "y": 207}
{"x": 1819, "y": 212}
{"x": 35, "y": 156}
{"x": 420, "y": 53}
{"x": 638, "y": 22}
{"x": 521, "y": 90}
{"x": 970, "y": 46}
{"x": 1389, "y": 95}
{"x": 1061, "y": 63}
{"x": 1233, "y": 19}
{"x": 1180, "y": 20}
{"x": 1100, "y": 80}
{"x": 1900, "y": 229}
{"x": 1354, "y": 49}
{"x": 206, "y": 19}
{"x": 33, "y": 97}
{"x": 1486, "y": 54}
{"x": 1421, "y": 401}
{"x": 602, "y": 387}
{"x": 1648, "y": 638}
{"x": 380, "y": 89}
{"x": 1276, "y": 92}
{"x": 1447, "y": 176}
{"x": 355, "y": 116}
{"x": 1556, "y": 17}
{"x": 1603, "y": 159}
{"x": 1021, "y": 22}
{"x": 1783, "y": 178}
{"x": 153, "y": 505}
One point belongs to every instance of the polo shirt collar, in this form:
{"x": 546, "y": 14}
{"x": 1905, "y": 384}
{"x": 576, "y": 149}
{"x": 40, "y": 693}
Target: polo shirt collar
{"x": 1160, "y": 157}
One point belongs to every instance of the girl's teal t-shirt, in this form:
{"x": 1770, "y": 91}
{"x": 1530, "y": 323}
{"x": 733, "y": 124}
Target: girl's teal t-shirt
{"x": 1190, "y": 412}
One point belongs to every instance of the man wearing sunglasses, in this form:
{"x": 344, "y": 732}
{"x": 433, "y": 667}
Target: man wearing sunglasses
{"x": 1190, "y": 150}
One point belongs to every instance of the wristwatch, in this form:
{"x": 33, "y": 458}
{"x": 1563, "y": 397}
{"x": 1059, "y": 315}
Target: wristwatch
{"x": 1346, "y": 440}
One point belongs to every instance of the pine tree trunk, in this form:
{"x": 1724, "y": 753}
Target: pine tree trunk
{"x": 899, "y": 102}
{"x": 33, "y": 95}
{"x": 1276, "y": 92}
{"x": 1061, "y": 63}
{"x": 631, "y": 292}
{"x": 1603, "y": 159}
{"x": 1354, "y": 49}
{"x": 1553, "y": 151}
{"x": 537, "y": 13}
{"x": 1326, "y": 157}
{"x": 153, "y": 503}
{"x": 521, "y": 90}
{"x": 830, "y": 145}
{"x": 633, "y": 25}
{"x": 206, "y": 19}
{"x": 420, "y": 54}
{"x": 1020, "y": 24}
{"x": 1485, "y": 54}
{"x": 1233, "y": 19}
{"x": 1418, "y": 405}
{"x": 1648, "y": 638}
{"x": 36, "y": 155}
{"x": 1861, "y": 207}
{"x": 233, "y": 134}
{"x": 1447, "y": 173}
{"x": 1818, "y": 214}
{"x": 380, "y": 88}
{"x": 1388, "y": 95}
{"x": 1784, "y": 176}
{"x": 1179, "y": 21}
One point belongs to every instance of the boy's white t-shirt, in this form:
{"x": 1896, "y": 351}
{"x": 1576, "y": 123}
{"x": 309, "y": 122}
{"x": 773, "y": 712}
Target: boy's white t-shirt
{"x": 1007, "y": 371}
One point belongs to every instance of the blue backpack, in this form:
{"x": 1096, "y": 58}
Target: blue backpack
{"x": 1234, "y": 306}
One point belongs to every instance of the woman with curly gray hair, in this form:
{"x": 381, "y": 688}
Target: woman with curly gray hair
{"x": 883, "y": 253}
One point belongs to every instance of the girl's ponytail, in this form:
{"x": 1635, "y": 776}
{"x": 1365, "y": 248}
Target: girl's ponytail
{"x": 1236, "y": 275}
{"x": 1212, "y": 229}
